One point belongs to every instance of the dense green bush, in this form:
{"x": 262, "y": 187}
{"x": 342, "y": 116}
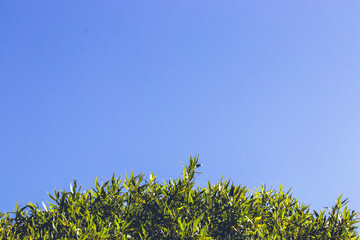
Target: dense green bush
{"x": 135, "y": 208}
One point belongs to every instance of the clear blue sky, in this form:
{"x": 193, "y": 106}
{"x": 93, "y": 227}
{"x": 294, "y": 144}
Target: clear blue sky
{"x": 264, "y": 91}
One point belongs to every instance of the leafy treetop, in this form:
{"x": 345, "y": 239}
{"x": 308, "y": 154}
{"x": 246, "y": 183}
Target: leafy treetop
{"x": 135, "y": 208}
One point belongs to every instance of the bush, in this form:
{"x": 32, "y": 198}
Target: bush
{"x": 135, "y": 208}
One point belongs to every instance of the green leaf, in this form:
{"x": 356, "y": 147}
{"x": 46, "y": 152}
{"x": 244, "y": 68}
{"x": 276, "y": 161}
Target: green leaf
{"x": 190, "y": 199}
{"x": 197, "y": 221}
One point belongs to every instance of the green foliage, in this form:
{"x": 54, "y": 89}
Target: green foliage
{"x": 135, "y": 208}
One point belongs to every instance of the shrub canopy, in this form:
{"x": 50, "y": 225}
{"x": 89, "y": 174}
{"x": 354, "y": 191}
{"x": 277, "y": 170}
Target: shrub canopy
{"x": 135, "y": 208}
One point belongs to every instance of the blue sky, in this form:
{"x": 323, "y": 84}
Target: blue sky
{"x": 264, "y": 91}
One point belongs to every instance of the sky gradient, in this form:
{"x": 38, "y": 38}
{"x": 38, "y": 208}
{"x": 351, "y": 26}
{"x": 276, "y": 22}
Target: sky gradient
{"x": 264, "y": 92}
